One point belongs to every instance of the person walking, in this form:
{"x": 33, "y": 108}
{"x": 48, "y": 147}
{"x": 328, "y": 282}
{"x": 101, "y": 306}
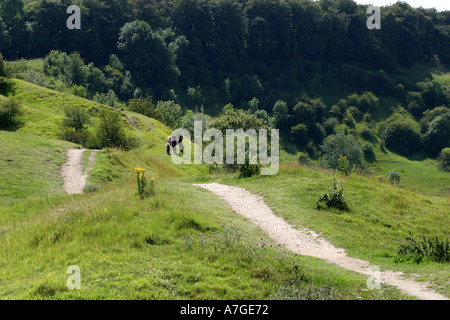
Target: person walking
{"x": 168, "y": 144}
{"x": 180, "y": 143}
{"x": 174, "y": 143}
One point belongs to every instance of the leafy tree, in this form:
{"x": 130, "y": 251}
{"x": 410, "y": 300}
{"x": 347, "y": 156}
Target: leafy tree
{"x": 143, "y": 106}
{"x": 187, "y": 121}
{"x": 299, "y": 133}
{"x": 110, "y": 131}
{"x": 169, "y": 113}
{"x": 444, "y": 160}
{"x": 75, "y": 69}
{"x": 146, "y": 55}
{"x": 337, "y": 145}
{"x": 232, "y": 118}
{"x": 402, "y": 136}
{"x": 76, "y": 117}
{"x": 10, "y": 110}
{"x": 437, "y": 136}
{"x": 2, "y": 66}
{"x": 280, "y": 113}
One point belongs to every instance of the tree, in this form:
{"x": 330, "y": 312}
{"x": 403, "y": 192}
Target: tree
{"x": 110, "y": 130}
{"x": 444, "y": 160}
{"x": 143, "y": 106}
{"x": 337, "y": 145}
{"x": 169, "y": 113}
{"x": 2, "y": 66}
{"x": 146, "y": 55}
{"x": 280, "y": 113}
{"x": 299, "y": 133}
{"x": 76, "y": 117}
{"x": 75, "y": 70}
{"x": 402, "y": 136}
{"x": 437, "y": 136}
{"x": 10, "y": 110}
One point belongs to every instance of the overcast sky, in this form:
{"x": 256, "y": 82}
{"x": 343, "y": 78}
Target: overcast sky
{"x": 440, "y": 5}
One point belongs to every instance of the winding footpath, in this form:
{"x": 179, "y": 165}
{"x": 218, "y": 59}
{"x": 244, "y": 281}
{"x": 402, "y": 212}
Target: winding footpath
{"x": 72, "y": 171}
{"x": 307, "y": 242}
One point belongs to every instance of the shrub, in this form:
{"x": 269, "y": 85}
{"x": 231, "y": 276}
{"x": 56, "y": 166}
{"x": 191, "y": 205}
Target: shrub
{"x": 430, "y": 249}
{"x": 368, "y": 134}
{"x": 437, "y": 136}
{"x": 169, "y": 113}
{"x": 110, "y": 131}
{"x": 337, "y": 145}
{"x": 444, "y": 160}
{"x": 334, "y": 198}
{"x": 402, "y": 136}
{"x": 299, "y": 134}
{"x": 368, "y": 152}
{"x": 143, "y": 106}
{"x": 344, "y": 165}
{"x": 394, "y": 176}
{"x": 10, "y": 110}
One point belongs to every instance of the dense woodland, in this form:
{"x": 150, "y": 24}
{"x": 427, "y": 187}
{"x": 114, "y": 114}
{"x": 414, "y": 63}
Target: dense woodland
{"x": 270, "y": 57}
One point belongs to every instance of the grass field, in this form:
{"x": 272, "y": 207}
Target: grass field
{"x": 381, "y": 215}
{"x": 182, "y": 242}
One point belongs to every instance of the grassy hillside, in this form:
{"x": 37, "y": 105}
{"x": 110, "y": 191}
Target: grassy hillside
{"x": 30, "y": 165}
{"x": 381, "y": 215}
{"x": 182, "y": 242}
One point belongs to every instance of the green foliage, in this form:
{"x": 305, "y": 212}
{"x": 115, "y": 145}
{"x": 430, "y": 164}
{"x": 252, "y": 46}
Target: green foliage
{"x": 2, "y": 66}
{"x": 143, "y": 106}
{"x": 187, "y": 121}
{"x": 280, "y": 114}
{"x": 344, "y": 165}
{"x": 299, "y": 133}
{"x": 437, "y": 135}
{"x": 236, "y": 119}
{"x": 394, "y": 176}
{"x": 76, "y": 117}
{"x": 146, "y": 186}
{"x": 426, "y": 249}
{"x": 402, "y": 134}
{"x": 169, "y": 113}
{"x": 10, "y": 110}
{"x": 110, "y": 131}
{"x": 444, "y": 160}
{"x": 337, "y": 145}
{"x": 333, "y": 198}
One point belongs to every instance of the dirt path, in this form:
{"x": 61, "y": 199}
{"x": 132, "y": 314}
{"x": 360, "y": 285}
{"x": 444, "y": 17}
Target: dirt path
{"x": 308, "y": 242}
{"x": 72, "y": 171}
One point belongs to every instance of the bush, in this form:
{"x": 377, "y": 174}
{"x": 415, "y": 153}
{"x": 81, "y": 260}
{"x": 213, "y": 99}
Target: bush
{"x": 334, "y": 198}
{"x": 337, "y": 145}
{"x": 10, "y": 110}
{"x": 394, "y": 176}
{"x": 437, "y": 136}
{"x": 344, "y": 165}
{"x": 110, "y": 131}
{"x": 368, "y": 152}
{"x": 143, "y": 106}
{"x": 169, "y": 113}
{"x": 430, "y": 249}
{"x": 402, "y": 136}
{"x": 444, "y": 160}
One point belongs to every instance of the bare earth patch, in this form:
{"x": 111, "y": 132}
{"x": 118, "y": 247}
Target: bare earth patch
{"x": 72, "y": 171}
{"x": 308, "y": 242}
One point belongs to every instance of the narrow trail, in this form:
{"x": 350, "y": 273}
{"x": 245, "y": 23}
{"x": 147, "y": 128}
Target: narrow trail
{"x": 72, "y": 171}
{"x": 307, "y": 242}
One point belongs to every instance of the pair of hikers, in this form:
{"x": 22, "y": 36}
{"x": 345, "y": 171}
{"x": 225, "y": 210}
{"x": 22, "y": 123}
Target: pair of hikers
{"x": 173, "y": 141}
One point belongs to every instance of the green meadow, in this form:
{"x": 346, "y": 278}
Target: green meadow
{"x": 183, "y": 242}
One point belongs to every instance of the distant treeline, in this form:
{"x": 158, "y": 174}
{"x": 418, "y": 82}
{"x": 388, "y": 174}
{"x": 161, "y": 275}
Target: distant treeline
{"x": 228, "y": 51}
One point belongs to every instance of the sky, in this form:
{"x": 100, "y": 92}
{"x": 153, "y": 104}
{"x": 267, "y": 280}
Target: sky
{"x": 440, "y": 5}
